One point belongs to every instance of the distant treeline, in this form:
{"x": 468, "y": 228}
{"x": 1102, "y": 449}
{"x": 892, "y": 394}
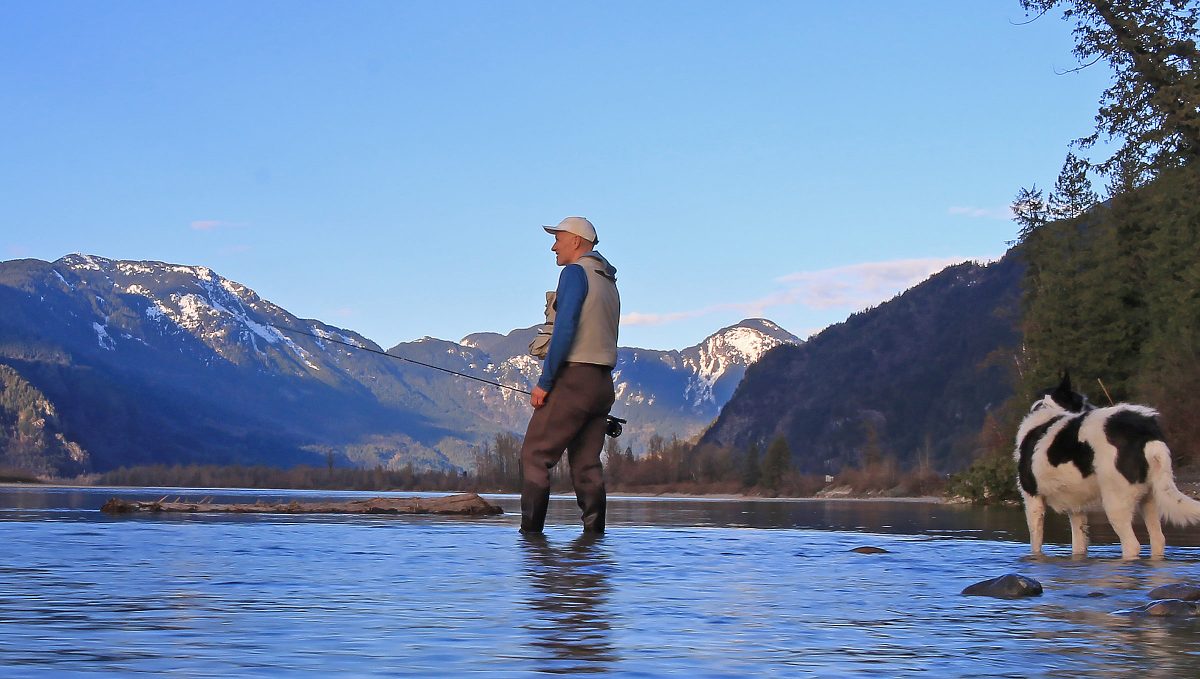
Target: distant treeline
{"x": 302, "y": 477}
{"x": 17, "y": 476}
{"x": 668, "y": 466}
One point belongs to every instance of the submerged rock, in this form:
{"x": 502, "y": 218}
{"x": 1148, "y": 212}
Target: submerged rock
{"x": 1177, "y": 591}
{"x": 464, "y": 503}
{"x": 1011, "y": 586}
{"x": 1166, "y": 608}
{"x": 870, "y": 550}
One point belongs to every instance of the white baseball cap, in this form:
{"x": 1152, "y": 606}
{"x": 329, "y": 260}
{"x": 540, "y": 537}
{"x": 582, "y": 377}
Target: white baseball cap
{"x": 577, "y": 225}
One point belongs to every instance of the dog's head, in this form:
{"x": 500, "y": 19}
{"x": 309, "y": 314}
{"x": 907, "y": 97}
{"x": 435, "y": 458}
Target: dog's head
{"x": 1062, "y": 398}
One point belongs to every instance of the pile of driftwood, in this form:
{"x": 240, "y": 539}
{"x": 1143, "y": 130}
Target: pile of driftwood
{"x": 465, "y": 503}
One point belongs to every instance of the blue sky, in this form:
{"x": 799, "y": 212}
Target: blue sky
{"x": 385, "y": 166}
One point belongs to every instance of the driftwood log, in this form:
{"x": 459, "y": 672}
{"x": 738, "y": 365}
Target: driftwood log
{"x": 465, "y": 503}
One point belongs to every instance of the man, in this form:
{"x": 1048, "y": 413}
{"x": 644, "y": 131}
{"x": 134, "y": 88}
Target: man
{"x": 573, "y": 396}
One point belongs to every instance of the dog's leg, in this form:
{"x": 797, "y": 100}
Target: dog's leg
{"x": 1158, "y": 543}
{"x": 1035, "y": 514}
{"x": 1079, "y": 534}
{"x": 1120, "y": 515}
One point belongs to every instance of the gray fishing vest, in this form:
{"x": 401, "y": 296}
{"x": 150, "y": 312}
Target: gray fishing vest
{"x": 596, "y": 337}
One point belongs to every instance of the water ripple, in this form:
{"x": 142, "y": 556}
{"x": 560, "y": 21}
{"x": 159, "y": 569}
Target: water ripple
{"x": 672, "y": 589}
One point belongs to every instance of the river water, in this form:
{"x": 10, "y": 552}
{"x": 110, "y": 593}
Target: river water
{"x": 690, "y": 587}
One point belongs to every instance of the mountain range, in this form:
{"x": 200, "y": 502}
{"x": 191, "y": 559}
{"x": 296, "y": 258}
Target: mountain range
{"x": 108, "y": 363}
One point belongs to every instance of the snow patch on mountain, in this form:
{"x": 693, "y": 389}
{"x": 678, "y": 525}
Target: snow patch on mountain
{"x": 64, "y": 281}
{"x": 103, "y": 338}
{"x": 528, "y": 367}
{"x": 157, "y": 312}
{"x": 732, "y": 348}
{"x": 134, "y": 268}
{"x": 190, "y": 310}
{"x": 335, "y": 336}
{"x": 86, "y": 262}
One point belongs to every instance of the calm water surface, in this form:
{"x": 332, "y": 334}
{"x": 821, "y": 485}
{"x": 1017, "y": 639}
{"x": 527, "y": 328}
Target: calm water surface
{"x": 696, "y": 588}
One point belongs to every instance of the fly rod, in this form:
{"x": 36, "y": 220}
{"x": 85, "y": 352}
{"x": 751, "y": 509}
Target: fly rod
{"x": 614, "y": 423}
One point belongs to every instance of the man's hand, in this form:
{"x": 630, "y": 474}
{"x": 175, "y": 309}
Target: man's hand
{"x": 538, "y": 398}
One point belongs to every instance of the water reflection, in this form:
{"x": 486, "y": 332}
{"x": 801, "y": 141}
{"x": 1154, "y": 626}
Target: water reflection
{"x": 568, "y": 611}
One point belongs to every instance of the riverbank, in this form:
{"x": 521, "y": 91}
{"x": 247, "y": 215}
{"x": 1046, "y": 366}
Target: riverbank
{"x": 18, "y": 478}
{"x": 666, "y": 495}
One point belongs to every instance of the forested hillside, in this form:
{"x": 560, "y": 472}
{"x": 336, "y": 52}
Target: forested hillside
{"x": 911, "y": 380}
{"x": 31, "y": 437}
{"x": 1114, "y": 295}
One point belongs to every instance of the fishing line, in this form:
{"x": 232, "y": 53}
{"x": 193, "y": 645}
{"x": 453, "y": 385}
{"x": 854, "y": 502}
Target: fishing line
{"x": 614, "y": 423}
{"x": 402, "y": 358}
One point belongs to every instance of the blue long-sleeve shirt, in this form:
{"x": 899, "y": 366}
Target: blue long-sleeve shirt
{"x": 568, "y": 305}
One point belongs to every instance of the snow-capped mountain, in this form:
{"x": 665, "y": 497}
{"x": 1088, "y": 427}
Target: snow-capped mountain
{"x": 720, "y": 361}
{"x": 659, "y": 392}
{"x": 228, "y": 320}
{"x": 157, "y": 362}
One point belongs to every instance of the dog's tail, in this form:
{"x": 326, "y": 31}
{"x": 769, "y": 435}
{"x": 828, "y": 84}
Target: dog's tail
{"x": 1173, "y": 505}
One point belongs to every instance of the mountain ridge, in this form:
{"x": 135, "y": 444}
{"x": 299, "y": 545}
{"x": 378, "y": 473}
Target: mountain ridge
{"x": 235, "y": 385}
{"x": 911, "y": 379}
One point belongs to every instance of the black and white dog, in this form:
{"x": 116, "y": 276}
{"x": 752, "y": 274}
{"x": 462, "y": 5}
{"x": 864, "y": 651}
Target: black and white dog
{"x": 1073, "y": 457}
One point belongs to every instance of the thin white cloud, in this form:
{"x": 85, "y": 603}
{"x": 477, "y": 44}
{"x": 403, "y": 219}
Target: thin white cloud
{"x": 1001, "y": 213}
{"x": 858, "y": 285}
{"x": 639, "y": 318}
{"x": 16, "y": 251}
{"x": 213, "y": 224}
{"x": 852, "y": 287}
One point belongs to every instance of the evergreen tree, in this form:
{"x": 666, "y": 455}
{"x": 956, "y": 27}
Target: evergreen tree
{"x": 1073, "y": 193}
{"x": 750, "y": 468}
{"x": 776, "y": 463}
{"x": 1029, "y": 211}
{"x": 1153, "y": 104}
{"x": 872, "y": 451}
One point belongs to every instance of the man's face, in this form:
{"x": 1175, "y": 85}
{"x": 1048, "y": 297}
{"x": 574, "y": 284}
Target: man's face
{"x": 565, "y": 248}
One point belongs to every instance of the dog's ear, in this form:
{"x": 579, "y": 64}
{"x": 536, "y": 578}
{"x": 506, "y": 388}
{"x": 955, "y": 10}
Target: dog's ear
{"x": 1064, "y": 386}
{"x": 1067, "y": 397}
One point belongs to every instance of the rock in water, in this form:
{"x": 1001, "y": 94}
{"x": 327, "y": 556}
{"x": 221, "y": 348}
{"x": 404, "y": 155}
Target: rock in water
{"x": 1011, "y": 586}
{"x": 1167, "y": 608}
{"x": 1177, "y": 591}
{"x": 870, "y": 550}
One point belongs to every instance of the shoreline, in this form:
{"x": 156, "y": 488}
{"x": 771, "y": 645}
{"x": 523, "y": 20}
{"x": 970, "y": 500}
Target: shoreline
{"x": 735, "y": 497}
{"x": 928, "y": 499}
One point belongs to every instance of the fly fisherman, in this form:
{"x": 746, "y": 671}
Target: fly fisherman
{"x": 572, "y": 399}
